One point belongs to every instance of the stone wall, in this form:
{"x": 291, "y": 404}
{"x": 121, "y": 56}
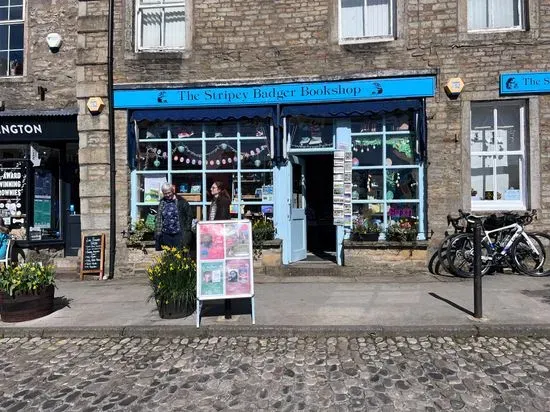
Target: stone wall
{"x": 54, "y": 71}
{"x": 286, "y": 40}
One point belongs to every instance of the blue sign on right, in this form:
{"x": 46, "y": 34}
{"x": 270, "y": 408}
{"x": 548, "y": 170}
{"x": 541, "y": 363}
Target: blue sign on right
{"x": 523, "y": 83}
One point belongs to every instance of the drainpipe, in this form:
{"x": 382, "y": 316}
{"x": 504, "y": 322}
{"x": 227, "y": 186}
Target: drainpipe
{"x": 112, "y": 177}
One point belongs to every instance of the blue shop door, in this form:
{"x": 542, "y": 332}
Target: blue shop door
{"x": 298, "y": 223}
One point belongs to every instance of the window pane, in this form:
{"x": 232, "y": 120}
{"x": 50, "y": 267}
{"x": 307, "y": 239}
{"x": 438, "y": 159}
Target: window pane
{"x": 255, "y": 154}
{"x": 377, "y": 18}
{"x": 477, "y": 14}
{"x": 174, "y": 21}
{"x": 481, "y": 136}
{"x": 367, "y": 184}
{"x": 227, "y": 180}
{"x": 504, "y": 13}
{"x": 508, "y": 123}
{"x": 153, "y": 156}
{"x": 254, "y": 129}
{"x": 15, "y": 2}
{"x": 150, "y": 27}
{"x": 16, "y": 13}
{"x": 400, "y": 150}
{"x": 188, "y": 185}
{"x": 16, "y": 63}
{"x": 16, "y": 36}
{"x": 402, "y": 222}
{"x": 4, "y": 66}
{"x": 482, "y": 177}
{"x": 508, "y": 177}
{"x": 253, "y": 186}
{"x": 367, "y": 150}
{"x": 186, "y": 155}
{"x": 221, "y": 155}
{"x": 218, "y": 130}
{"x": 308, "y": 133}
{"x": 4, "y": 30}
{"x": 352, "y": 16}
{"x": 149, "y": 187}
{"x": 402, "y": 183}
{"x": 4, "y": 13}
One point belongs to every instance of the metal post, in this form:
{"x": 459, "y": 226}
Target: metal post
{"x": 478, "y": 304}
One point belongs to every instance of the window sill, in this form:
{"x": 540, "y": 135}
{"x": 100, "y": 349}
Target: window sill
{"x": 363, "y": 40}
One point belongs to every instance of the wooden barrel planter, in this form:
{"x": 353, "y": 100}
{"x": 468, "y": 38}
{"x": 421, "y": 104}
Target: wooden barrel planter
{"x": 27, "y": 306}
{"x": 175, "y": 309}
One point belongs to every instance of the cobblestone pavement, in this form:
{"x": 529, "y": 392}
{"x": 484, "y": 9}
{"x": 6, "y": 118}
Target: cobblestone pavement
{"x": 312, "y": 374}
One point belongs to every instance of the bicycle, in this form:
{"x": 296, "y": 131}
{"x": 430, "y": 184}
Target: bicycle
{"x": 507, "y": 245}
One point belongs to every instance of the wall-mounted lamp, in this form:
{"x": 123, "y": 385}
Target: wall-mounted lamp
{"x": 42, "y": 92}
{"x": 54, "y": 42}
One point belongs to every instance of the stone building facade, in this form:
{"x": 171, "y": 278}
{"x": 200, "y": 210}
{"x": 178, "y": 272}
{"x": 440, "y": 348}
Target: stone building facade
{"x": 38, "y": 124}
{"x": 238, "y": 43}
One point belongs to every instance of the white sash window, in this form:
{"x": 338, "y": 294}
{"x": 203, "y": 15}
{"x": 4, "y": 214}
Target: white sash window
{"x": 11, "y": 37}
{"x": 161, "y": 24}
{"x": 495, "y": 14}
{"x": 366, "y": 19}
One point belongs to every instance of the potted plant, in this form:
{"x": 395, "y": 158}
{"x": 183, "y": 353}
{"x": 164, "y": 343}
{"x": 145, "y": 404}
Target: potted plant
{"x": 173, "y": 278}
{"x": 403, "y": 230}
{"x": 262, "y": 230}
{"x": 139, "y": 233}
{"x": 26, "y": 291}
{"x": 364, "y": 230}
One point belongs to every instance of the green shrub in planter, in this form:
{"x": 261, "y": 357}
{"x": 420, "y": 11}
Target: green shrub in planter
{"x": 26, "y": 278}
{"x": 262, "y": 230}
{"x": 173, "y": 278}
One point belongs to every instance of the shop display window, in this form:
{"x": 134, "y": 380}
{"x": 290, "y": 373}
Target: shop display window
{"x": 386, "y": 172}
{"x": 193, "y": 155}
{"x": 310, "y": 133}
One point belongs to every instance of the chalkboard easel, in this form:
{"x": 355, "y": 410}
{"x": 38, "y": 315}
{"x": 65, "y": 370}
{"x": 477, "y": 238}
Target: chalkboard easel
{"x": 93, "y": 255}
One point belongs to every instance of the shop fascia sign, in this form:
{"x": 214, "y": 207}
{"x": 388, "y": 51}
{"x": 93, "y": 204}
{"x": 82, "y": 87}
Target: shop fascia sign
{"x": 289, "y": 93}
{"x": 30, "y": 129}
{"x": 523, "y": 83}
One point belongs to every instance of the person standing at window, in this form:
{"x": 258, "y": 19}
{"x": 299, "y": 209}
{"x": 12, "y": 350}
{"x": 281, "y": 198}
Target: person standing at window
{"x": 219, "y": 208}
{"x": 174, "y": 219}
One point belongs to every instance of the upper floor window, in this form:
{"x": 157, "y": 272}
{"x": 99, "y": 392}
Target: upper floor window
{"x": 160, "y": 24}
{"x": 11, "y": 38}
{"x": 366, "y": 19}
{"x": 495, "y": 14}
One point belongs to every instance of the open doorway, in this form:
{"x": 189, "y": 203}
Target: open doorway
{"x": 321, "y": 232}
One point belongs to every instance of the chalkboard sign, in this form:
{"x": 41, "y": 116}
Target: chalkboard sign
{"x": 93, "y": 254}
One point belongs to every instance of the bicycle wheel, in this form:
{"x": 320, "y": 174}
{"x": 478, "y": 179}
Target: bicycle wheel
{"x": 460, "y": 256}
{"x": 528, "y": 255}
{"x": 442, "y": 253}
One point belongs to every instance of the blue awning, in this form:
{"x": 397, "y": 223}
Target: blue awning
{"x": 351, "y": 109}
{"x": 204, "y": 114}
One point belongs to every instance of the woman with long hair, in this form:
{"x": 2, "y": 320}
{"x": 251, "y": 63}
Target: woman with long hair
{"x": 219, "y": 208}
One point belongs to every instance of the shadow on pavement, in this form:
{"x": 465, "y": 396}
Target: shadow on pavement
{"x": 543, "y": 294}
{"x": 454, "y": 305}
{"x": 61, "y": 302}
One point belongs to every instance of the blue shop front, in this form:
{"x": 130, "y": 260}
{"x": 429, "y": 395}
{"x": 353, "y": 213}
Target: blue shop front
{"x": 273, "y": 146}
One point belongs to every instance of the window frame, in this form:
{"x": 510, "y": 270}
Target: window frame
{"x": 369, "y": 39}
{"x": 520, "y": 27}
{"x": 201, "y": 138}
{"x": 524, "y": 153}
{"x": 23, "y": 50}
{"x": 161, "y": 5}
{"x": 386, "y": 169}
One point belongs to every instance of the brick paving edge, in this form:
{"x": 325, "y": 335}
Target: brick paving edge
{"x": 503, "y": 330}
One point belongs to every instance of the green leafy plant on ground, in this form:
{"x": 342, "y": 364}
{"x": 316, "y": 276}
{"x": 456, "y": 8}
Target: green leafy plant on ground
{"x": 26, "y": 278}
{"x": 173, "y": 277}
{"x": 140, "y": 232}
{"x": 262, "y": 230}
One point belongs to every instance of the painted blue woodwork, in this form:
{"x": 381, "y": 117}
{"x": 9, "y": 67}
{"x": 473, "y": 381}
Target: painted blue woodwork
{"x": 298, "y": 221}
{"x": 522, "y": 83}
{"x": 289, "y": 93}
{"x": 343, "y": 141}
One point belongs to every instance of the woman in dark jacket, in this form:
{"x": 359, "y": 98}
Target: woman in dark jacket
{"x": 219, "y": 208}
